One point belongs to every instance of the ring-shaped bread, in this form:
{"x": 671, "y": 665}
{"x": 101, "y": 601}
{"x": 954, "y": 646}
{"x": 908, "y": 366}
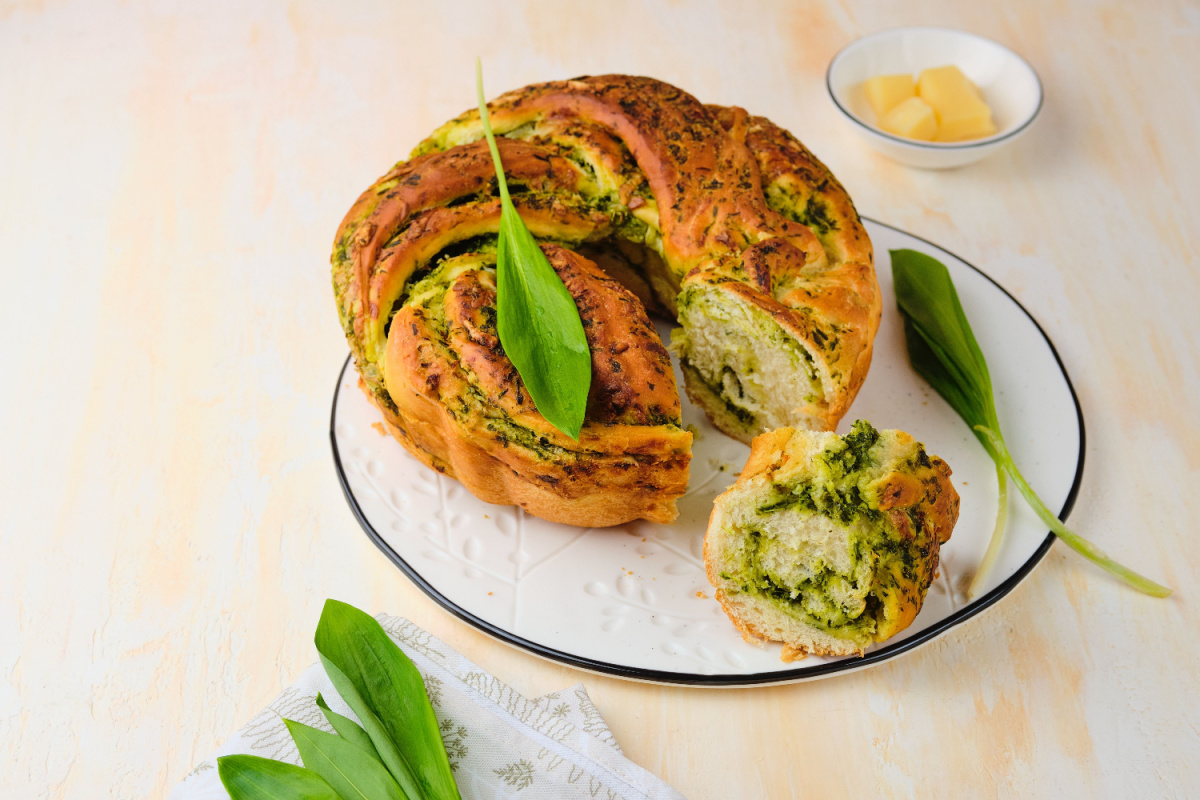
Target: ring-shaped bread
{"x": 642, "y": 197}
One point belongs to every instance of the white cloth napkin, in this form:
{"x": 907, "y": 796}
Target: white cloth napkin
{"x": 501, "y": 745}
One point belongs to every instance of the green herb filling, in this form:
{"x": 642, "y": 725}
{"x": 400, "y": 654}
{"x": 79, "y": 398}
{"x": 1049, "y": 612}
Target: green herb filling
{"x": 833, "y": 555}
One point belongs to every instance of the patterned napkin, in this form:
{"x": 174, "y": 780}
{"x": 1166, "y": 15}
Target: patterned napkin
{"x": 501, "y": 745}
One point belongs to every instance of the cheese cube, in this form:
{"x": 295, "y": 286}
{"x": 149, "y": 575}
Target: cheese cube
{"x": 885, "y": 92}
{"x": 913, "y": 119}
{"x": 975, "y": 125}
{"x": 961, "y": 112}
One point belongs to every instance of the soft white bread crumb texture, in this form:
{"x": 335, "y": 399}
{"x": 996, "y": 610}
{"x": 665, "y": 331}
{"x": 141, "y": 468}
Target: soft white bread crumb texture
{"x": 828, "y": 543}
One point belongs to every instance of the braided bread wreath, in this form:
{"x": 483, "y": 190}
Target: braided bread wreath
{"x": 642, "y": 197}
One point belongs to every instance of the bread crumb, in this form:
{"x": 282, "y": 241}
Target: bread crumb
{"x": 378, "y": 426}
{"x": 791, "y": 654}
{"x": 702, "y": 595}
{"x": 489, "y": 594}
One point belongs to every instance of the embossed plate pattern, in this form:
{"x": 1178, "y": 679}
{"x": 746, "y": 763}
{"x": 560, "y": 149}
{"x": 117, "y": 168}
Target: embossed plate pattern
{"x": 633, "y": 601}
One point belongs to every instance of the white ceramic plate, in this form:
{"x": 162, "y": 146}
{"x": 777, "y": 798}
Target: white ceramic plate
{"x": 633, "y": 601}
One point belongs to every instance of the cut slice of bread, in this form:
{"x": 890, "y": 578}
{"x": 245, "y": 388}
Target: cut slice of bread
{"x": 829, "y": 543}
{"x": 747, "y": 371}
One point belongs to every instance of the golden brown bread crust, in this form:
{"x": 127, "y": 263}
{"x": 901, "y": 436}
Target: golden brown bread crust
{"x": 910, "y": 489}
{"x": 757, "y": 635}
{"x": 461, "y": 406}
{"x": 603, "y": 159}
{"x": 407, "y": 218}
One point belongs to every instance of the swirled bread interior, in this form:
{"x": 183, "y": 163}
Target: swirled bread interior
{"x": 829, "y": 543}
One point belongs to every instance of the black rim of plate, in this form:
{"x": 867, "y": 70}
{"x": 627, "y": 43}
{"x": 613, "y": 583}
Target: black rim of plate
{"x": 849, "y": 664}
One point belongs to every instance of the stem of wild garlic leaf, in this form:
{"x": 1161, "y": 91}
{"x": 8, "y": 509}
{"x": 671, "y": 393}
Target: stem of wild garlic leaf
{"x": 1073, "y": 540}
{"x": 989, "y": 558}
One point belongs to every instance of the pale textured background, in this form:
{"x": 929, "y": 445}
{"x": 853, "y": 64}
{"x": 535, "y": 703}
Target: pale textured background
{"x": 171, "y": 177}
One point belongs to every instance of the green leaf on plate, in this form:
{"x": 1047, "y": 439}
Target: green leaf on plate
{"x": 368, "y": 669}
{"x": 347, "y": 728}
{"x": 351, "y": 771}
{"x": 248, "y": 777}
{"x": 946, "y": 348}
{"x": 942, "y": 349}
{"x": 536, "y": 317}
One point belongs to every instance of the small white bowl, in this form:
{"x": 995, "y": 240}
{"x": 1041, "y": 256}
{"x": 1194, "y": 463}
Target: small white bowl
{"x": 1009, "y": 86}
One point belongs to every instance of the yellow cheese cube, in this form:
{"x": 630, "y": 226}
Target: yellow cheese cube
{"x": 913, "y": 119}
{"x": 961, "y": 112}
{"x": 944, "y": 85}
{"x": 885, "y": 92}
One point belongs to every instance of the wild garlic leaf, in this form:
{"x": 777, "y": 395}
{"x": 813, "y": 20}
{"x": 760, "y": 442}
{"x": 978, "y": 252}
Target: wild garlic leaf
{"x": 351, "y": 771}
{"x": 943, "y": 350}
{"x": 929, "y": 302}
{"x": 347, "y": 728}
{"x": 930, "y": 365}
{"x": 397, "y": 763}
{"x": 248, "y": 777}
{"x": 536, "y": 317}
{"x": 364, "y": 663}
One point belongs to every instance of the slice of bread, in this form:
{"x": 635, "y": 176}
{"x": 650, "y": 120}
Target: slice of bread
{"x": 829, "y": 543}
